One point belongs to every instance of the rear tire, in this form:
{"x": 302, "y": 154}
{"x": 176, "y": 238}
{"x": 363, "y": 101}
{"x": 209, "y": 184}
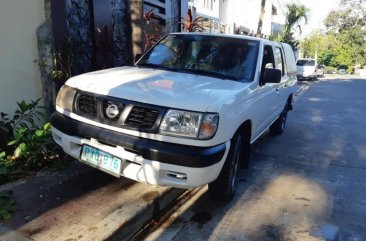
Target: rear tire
{"x": 278, "y": 126}
{"x": 224, "y": 187}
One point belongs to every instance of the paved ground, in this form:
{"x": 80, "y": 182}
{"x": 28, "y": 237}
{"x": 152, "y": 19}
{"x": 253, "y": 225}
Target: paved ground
{"x": 82, "y": 203}
{"x": 308, "y": 184}
{"x": 305, "y": 185}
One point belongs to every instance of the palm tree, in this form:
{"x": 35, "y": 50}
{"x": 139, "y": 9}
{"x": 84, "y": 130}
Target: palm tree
{"x": 294, "y": 15}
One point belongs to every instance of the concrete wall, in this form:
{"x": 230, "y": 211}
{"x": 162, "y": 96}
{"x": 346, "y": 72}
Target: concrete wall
{"x": 19, "y": 74}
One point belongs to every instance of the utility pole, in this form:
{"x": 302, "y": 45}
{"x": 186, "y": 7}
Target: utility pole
{"x": 261, "y": 15}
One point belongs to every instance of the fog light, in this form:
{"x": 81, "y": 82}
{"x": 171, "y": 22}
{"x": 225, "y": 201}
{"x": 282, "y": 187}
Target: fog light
{"x": 177, "y": 175}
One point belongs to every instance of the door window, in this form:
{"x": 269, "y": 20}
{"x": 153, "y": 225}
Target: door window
{"x": 279, "y": 64}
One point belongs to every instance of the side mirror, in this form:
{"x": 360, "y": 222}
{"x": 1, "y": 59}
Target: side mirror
{"x": 137, "y": 57}
{"x": 272, "y": 76}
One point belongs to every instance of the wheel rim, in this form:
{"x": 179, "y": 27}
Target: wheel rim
{"x": 238, "y": 150}
{"x": 283, "y": 122}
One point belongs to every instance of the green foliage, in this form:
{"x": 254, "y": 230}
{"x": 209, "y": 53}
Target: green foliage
{"x": 295, "y": 14}
{"x": 3, "y": 169}
{"x": 326, "y": 58}
{"x": 343, "y": 44}
{"x": 29, "y": 146}
{"x": 26, "y": 115}
{"x": 349, "y": 15}
{"x": 329, "y": 69}
{"x": 33, "y": 148}
{"x": 7, "y": 205}
{"x": 312, "y": 44}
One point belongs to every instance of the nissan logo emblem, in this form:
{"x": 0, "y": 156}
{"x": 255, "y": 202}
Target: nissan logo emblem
{"x": 112, "y": 111}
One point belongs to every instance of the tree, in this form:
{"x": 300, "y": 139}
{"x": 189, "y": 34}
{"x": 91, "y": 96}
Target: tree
{"x": 312, "y": 44}
{"x": 343, "y": 43}
{"x": 350, "y": 14}
{"x": 347, "y": 26}
{"x": 295, "y": 14}
{"x": 329, "y": 50}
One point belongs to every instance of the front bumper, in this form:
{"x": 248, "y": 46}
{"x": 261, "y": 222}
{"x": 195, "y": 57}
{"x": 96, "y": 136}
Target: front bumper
{"x": 146, "y": 160}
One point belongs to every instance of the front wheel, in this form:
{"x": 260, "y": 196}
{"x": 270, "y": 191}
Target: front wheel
{"x": 225, "y": 185}
{"x": 278, "y": 126}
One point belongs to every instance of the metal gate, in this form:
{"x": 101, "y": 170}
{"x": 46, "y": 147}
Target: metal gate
{"x": 90, "y": 34}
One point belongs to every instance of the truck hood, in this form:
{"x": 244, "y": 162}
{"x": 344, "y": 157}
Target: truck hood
{"x": 160, "y": 87}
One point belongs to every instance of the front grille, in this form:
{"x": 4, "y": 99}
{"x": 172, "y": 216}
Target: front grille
{"x": 88, "y": 105}
{"x": 142, "y": 117}
{"x": 131, "y": 115}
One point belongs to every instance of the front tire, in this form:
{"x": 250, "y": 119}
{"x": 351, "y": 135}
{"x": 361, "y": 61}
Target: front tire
{"x": 224, "y": 187}
{"x": 278, "y": 126}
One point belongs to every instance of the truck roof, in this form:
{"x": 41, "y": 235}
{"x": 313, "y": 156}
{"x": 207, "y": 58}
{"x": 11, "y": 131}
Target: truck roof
{"x": 224, "y": 35}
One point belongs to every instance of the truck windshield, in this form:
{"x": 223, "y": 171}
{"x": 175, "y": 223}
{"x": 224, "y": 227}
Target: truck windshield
{"x": 221, "y": 57}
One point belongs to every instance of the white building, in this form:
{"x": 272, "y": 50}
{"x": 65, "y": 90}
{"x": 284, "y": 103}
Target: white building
{"x": 19, "y": 74}
{"x": 235, "y": 16}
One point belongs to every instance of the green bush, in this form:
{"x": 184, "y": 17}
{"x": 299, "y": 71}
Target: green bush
{"x": 29, "y": 146}
{"x": 7, "y": 204}
{"x": 329, "y": 69}
{"x": 34, "y": 148}
{"x": 28, "y": 115}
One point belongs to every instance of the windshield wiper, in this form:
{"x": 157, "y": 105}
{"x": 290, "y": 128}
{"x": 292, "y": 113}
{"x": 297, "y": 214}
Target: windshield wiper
{"x": 156, "y": 66}
{"x": 208, "y": 73}
{"x": 188, "y": 70}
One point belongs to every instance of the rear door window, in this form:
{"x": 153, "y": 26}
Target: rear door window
{"x": 279, "y": 64}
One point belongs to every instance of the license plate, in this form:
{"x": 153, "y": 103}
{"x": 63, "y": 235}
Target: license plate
{"x": 101, "y": 160}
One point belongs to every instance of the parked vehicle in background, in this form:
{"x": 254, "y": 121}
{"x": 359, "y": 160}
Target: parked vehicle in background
{"x": 342, "y": 71}
{"x": 307, "y": 69}
{"x": 321, "y": 71}
{"x": 185, "y": 115}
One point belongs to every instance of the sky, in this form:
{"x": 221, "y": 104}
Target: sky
{"x": 318, "y": 11}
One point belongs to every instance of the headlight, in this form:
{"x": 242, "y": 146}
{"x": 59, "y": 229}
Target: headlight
{"x": 189, "y": 124}
{"x": 65, "y": 98}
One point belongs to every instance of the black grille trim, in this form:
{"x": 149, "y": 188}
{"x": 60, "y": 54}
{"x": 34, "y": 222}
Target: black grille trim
{"x": 88, "y": 105}
{"x": 142, "y": 117}
{"x": 132, "y": 115}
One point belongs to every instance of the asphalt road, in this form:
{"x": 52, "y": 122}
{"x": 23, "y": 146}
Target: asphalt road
{"x": 308, "y": 184}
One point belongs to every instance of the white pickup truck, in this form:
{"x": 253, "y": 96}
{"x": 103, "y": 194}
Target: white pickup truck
{"x": 185, "y": 115}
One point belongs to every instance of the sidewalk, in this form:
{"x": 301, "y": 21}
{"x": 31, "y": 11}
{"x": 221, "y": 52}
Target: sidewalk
{"x": 83, "y": 204}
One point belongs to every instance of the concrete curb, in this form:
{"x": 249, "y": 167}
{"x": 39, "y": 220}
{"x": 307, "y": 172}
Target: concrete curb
{"x": 84, "y": 204}
{"x": 146, "y": 214}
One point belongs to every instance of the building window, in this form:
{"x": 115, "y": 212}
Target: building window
{"x": 208, "y": 4}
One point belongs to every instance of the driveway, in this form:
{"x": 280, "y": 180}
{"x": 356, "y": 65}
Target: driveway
{"x": 308, "y": 184}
